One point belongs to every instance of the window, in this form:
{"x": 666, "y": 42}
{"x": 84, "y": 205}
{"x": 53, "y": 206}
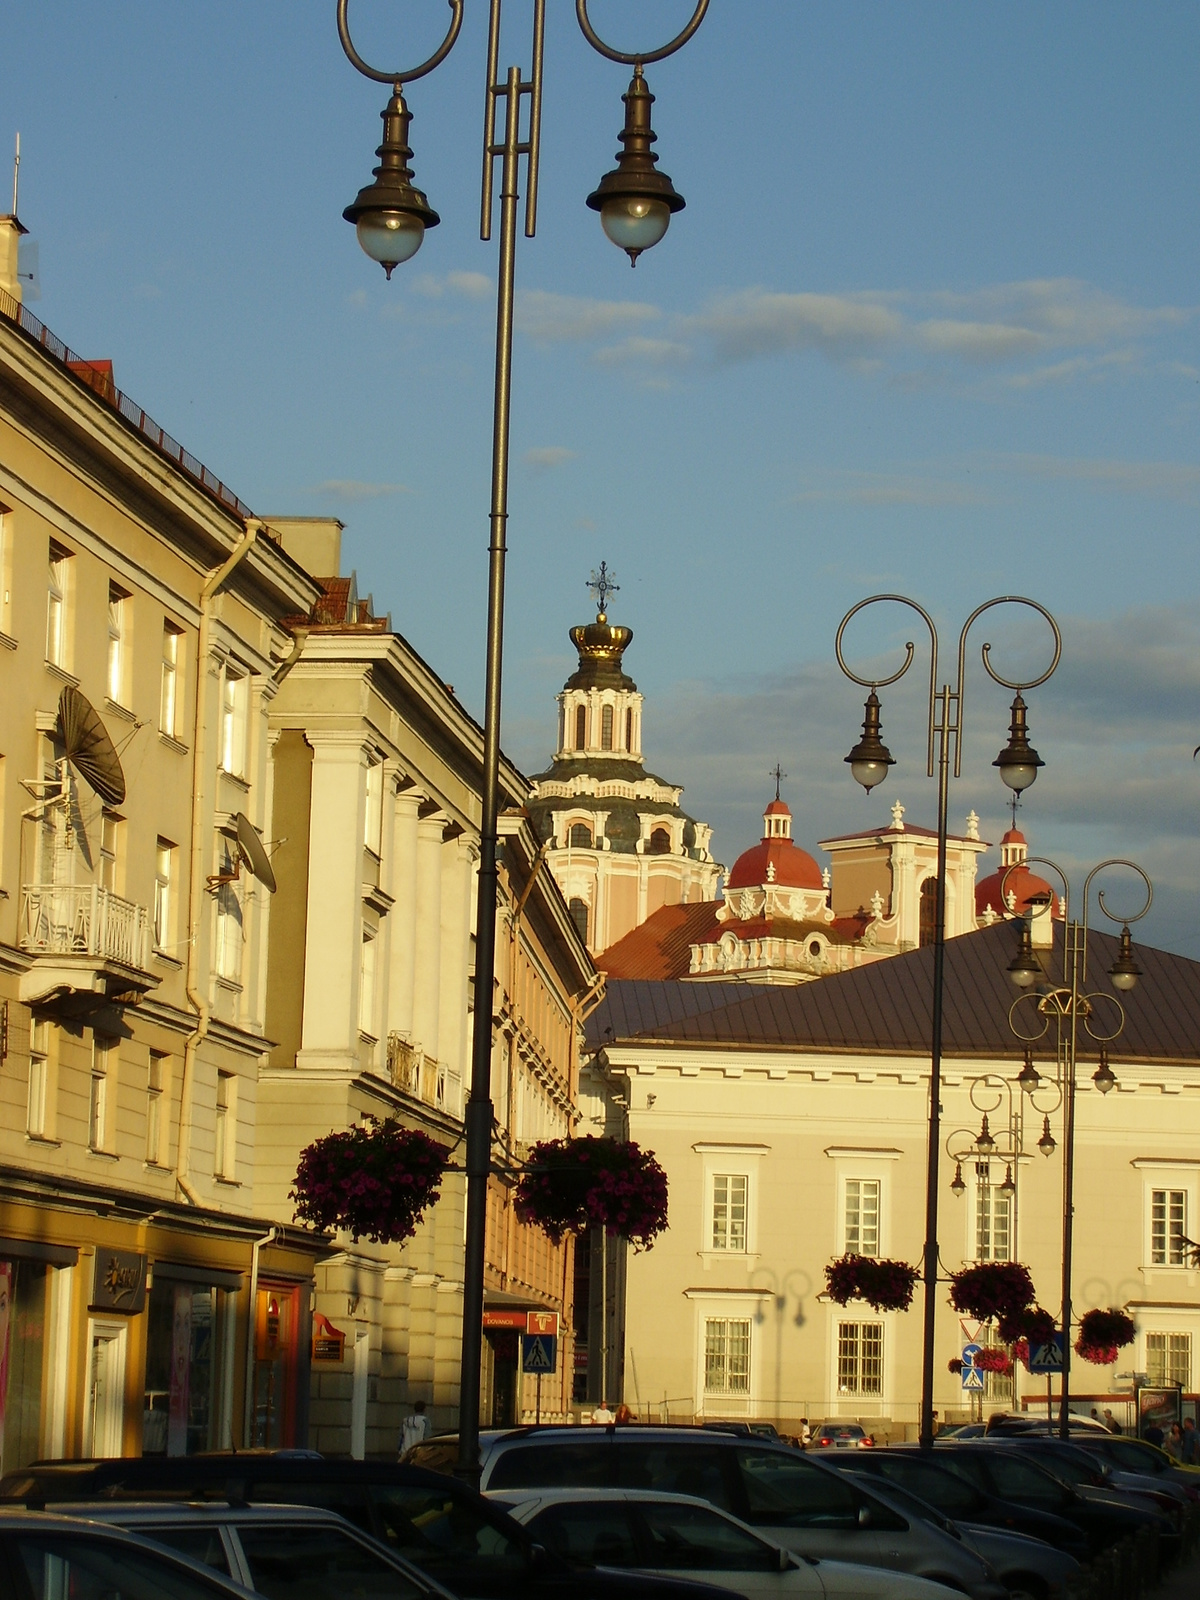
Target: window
{"x": 580, "y": 727}
{"x": 860, "y": 1358}
{"x": 590, "y": 1534}
{"x": 110, "y": 829}
{"x": 629, "y": 729}
{"x": 996, "y": 1385}
{"x": 580, "y": 836}
{"x": 373, "y": 822}
{"x": 56, "y": 605}
{"x": 104, "y": 1059}
{"x": 318, "y": 1560}
{"x": 1169, "y": 1359}
{"x": 928, "y": 912}
{"x": 366, "y": 988}
{"x": 168, "y": 698}
{"x": 579, "y": 916}
{"x": 727, "y": 1355}
{"x": 229, "y": 918}
{"x": 606, "y": 728}
{"x": 155, "y": 1087}
{"x": 660, "y": 842}
{"x": 234, "y": 693}
{"x": 993, "y": 1222}
{"x": 118, "y": 626}
{"x": 35, "y": 1111}
{"x": 164, "y": 872}
{"x": 225, "y": 1133}
{"x": 1168, "y": 1227}
{"x": 729, "y": 1211}
{"x": 862, "y": 1216}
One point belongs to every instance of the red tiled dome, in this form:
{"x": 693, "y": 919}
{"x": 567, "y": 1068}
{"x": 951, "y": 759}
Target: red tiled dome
{"x": 794, "y": 868}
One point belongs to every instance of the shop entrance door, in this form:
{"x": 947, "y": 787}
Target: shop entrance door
{"x": 276, "y": 1320}
{"x": 505, "y": 1378}
{"x": 106, "y": 1389}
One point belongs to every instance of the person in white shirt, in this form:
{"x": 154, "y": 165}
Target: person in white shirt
{"x": 603, "y": 1415}
{"x": 414, "y": 1428}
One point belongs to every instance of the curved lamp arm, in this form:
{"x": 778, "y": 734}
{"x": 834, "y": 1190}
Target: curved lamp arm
{"x": 909, "y": 652}
{"x": 438, "y": 56}
{"x": 640, "y": 60}
{"x": 1015, "y": 684}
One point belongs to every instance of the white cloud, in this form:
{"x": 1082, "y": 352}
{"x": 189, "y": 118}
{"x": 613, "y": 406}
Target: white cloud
{"x": 1160, "y": 480}
{"x": 556, "y": 318}
{"x": 641, "y": 351}
{"x": 543, "y": 457}
{"x": 977, "y": 341}
{"x": 356, "y": 489}
{"x": 755, "y": 322}
{"x": 473, "y": 285}
{"x": 887, "y": 489}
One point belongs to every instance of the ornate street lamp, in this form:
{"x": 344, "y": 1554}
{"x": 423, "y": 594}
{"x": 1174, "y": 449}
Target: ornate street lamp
{"x": 869, "y": 762}
{"x": 391, "y": 217}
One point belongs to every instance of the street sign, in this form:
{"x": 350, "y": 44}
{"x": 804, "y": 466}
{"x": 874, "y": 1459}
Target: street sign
{"x": 969, "y": 1352}
{"x": 1048, "y": 1357}
{"x": 539, "y": 1353}
{"x": 542, "y": 1322}
{"x": 972, "y": 1380}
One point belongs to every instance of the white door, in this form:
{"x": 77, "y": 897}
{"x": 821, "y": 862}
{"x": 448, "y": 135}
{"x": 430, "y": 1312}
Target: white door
{"x": 358, "y": 1398}
{"x": 106, "y": 1392}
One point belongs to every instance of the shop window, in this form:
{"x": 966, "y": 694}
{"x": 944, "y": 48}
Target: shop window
{"x": 862, "y": 1217}
{"x": 179, "y": 1414}
{"x": 928, "y": 920}
{"x": 606, "y": 728}
{"x": 727, "y": 1355}
{"x": 23, "y": 1307}
{"x": 172, "y": 665}
{"x": 860, "y": 1358}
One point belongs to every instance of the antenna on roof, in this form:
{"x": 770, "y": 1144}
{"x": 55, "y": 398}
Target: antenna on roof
{"x": 16, "y": 173}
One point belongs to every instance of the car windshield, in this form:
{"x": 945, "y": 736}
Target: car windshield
{"x": 293, "y": 1562}
{"x": 1022, "y": 1481}
{"x": 1069, "y": 1468}
{"x": 952, "y": 1496}
{"x": 438, "y": 1528}
{"x": 54, "y": 1566}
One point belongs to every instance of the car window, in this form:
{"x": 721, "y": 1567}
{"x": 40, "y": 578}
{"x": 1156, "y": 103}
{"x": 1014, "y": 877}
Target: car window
{"x": 784, "y": 1490}
{"x": 349, "y": 1500}
{"x": 595, "y": 1534}
{"x": 693, "y": 1538}
{"x": 1021, "y": 1481}
{"x": 299, "y": 1563}
{"x": 52, "y": 1566}
{"x": 1071, "y": 1471}
{"x": 439, "y": 1529}
{"x": 200, "y": 1544}
{"x": 951, "y": 1496}
{"x": 570, "y": 1465}
{"x": 1132, "y": 1457}
{"x": 675, "y": 1468}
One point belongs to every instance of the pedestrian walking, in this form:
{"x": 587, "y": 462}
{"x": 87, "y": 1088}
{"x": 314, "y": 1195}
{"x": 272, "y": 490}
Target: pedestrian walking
{"x": 602, "y": 1415}
{"x": 414, "y": 1428}
{"x": 1173, "y": 1443}
{"x": 1191, "y": 1443}
{"x": 805, "y": 1433}
{"x": 1110, "y": 1422}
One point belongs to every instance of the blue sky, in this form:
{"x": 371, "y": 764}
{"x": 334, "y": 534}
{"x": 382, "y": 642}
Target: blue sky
{"x": 928, "y": 323}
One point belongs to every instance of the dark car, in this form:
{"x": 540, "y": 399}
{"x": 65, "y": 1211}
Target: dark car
{"x": 437, "y": 1523}
{"x": 1139, "y": 1455}
{"x": 1086, "y": 1471}
{"x": 961, "y": 1500}
{"x": 1012, "y": 1475}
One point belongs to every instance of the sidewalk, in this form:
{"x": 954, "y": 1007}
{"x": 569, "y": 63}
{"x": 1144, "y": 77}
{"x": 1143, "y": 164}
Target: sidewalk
{"x": 1182, "y": 1584}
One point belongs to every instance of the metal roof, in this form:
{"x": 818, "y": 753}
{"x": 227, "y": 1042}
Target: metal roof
{"x": 886, "y": 1008}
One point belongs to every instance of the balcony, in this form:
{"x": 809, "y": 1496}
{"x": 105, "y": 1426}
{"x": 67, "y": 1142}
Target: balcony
{"x": 85, "y": 940}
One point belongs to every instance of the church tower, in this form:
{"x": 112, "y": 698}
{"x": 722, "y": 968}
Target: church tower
{"x": 620, "y": 846}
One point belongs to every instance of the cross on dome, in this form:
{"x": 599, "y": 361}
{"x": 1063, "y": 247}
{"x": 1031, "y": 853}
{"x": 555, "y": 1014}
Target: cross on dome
{"x": 600, "y": 585}
{"x": 779, "y": 775}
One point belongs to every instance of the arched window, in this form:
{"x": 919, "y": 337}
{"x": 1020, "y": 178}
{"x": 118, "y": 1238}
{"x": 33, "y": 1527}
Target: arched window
{"x": 579, "y": 916}
{"x": 928, "y": 910}
{"x": 660, "y": 842}
{"x": 629, "y": 729}
{"x": 606, "y": 727}
{"x": 580, "y": 836}
{"x": 580, "y": 727}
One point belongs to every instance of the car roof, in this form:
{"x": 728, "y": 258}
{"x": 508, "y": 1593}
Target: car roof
{"x": 520, "y": 1496}
{"x": 123, "y": 1511}
{"x": 164, "y": 1474}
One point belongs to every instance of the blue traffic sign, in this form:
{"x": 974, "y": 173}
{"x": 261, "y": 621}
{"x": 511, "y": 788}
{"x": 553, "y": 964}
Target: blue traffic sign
{"x": 972, "y": 1380}
{"x": 539, "y": 1352}
{"x": 969, "y": 1352}
{"x": 1048, "y": 1357}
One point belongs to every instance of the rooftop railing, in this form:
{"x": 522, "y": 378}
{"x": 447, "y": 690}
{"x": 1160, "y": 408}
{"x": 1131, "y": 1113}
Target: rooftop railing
{"x": 99, "y": 380}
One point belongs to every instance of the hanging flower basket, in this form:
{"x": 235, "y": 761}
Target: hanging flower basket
{"x": 994, "y": 1360}
{"x": 884, "y": 1285}
{"x": 570, "y": 1185}
{"x": 995, "y": 1289}
{"x": 1102, "y": 1334}
{"x": 955, "y": 1365}
{"x": 1029, "y": 1326}
{"x": 375, "y": 1181}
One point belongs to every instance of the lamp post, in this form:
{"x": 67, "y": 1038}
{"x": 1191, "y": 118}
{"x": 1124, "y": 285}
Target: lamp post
{"x": 391, "y": 217}
{"x": 869, "y": 761}
{"x": 1064, "y": 1003}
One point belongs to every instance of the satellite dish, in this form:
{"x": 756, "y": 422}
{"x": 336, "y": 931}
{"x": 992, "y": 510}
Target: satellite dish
{"x": 250, "y": 850}
{"x": 87, "y": 746}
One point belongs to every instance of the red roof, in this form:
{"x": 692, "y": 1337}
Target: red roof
{"x": 661, "y": 946}
{"x": 794, "y": 868}
{"x": 1016, "y": 880}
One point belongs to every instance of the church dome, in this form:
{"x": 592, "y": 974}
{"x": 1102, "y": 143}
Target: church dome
{"x": 1014, "y": 882}
{"x": 776, "y": 858}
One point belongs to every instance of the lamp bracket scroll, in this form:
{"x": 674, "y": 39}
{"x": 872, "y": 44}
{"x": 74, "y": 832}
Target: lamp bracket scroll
{"x": 639, "y": 60}
{"x": 411, "y": 76}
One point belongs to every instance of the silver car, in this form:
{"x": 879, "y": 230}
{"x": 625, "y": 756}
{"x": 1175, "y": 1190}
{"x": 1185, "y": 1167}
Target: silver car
{"x": 781, "y": 1493}
{"x": 671, "y": 1535}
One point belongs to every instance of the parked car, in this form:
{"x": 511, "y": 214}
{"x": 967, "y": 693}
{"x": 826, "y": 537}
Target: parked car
{"x": 1012, "y": 1475}
{"x": 783, "y": 1494}
{"x": 282, "y": 1552}
{"x": 52, "y": 1558}
{"x": 1085, "y": 1470}
{"x": 1029, "y": 1568}
{"x": 671, "y": 1534}
{"x": 759, "y": 1430}
{"x": 961, "y": 1501}
{"x": 434, "y": 1521}
{"x": 841, "y": 1436}
{"x": 1030, "y": 1422}
{"x": 1139, "y": 1455}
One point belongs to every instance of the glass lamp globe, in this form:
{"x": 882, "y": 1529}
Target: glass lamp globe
{"x": 1018, "y": 775}
{"x": 390, "y": 237}
{"x": 635, "y": 222}
{"x": 869, "y": 773}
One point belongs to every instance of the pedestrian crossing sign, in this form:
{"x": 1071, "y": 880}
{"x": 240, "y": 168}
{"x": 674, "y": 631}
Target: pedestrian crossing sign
{"x": 1047, "y": 1357}
{"x": 972, "y": 1380}
{"x": 539, "y": 1353}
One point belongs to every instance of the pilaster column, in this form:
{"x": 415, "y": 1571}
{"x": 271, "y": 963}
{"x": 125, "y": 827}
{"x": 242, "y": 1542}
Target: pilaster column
{"x": 427, "y": 974}
{"x": 458, "y": 855}
{"x": 333, "y": 939}
{"x": 403, "y": 917}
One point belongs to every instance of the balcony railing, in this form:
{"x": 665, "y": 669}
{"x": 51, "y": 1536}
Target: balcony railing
{"x": 67, "y": 919}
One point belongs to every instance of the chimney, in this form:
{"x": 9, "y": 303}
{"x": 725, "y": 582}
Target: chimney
{"x": 315, "y": 542}
{"x": 11, "y": 230}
